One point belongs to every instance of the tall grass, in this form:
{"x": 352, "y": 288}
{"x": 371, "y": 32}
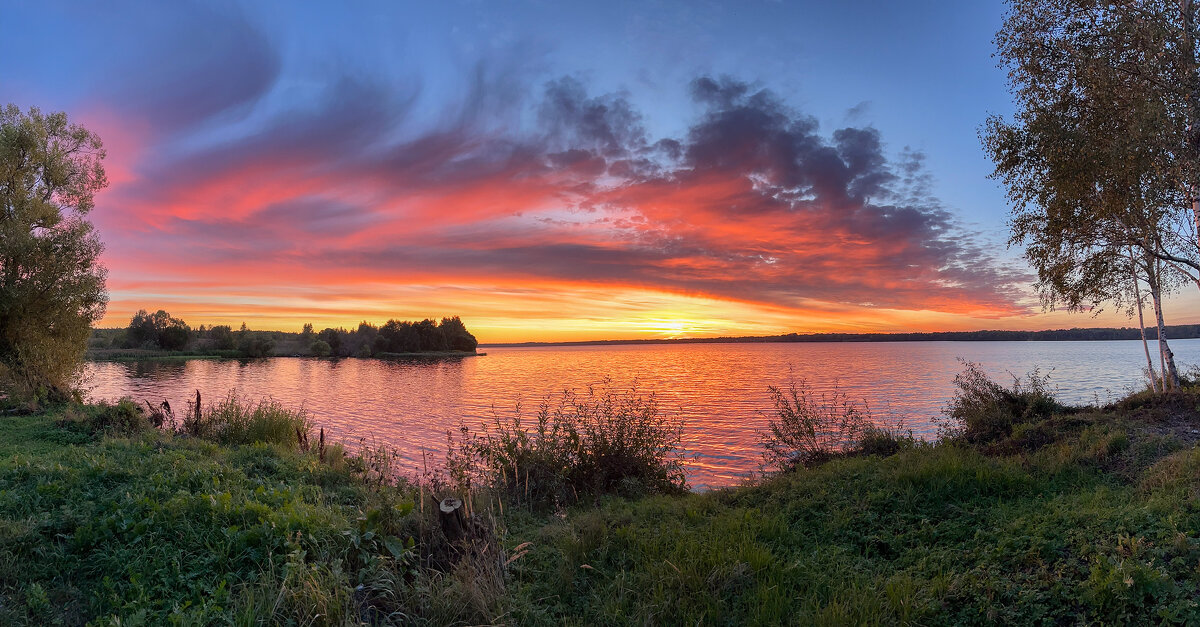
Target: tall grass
{"x": 810, "y": 428}
{"x": 600, "y": 441}
{"x": 232, "y": 421}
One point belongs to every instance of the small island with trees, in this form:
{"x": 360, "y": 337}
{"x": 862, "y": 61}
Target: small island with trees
{"x": 159, "y": 335}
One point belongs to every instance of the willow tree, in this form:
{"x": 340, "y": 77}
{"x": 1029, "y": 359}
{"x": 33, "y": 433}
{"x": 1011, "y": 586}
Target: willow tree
{"x": 51, "y": 286}
{"x": 1100, "y": 158}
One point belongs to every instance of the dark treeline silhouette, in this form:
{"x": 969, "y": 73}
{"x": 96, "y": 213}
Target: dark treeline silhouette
{"x": 161, "y": 331}
{"x": 394, "y": 337}
{"x": 1181, "y": 331}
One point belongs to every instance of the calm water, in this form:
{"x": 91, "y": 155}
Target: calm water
{"x": 720, "y": 390}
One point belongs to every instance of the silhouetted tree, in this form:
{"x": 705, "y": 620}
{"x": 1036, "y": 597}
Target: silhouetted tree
{"x": 457, "y": 336}
{"x": 222, "y": 337}
{"x": 157, "y": 330}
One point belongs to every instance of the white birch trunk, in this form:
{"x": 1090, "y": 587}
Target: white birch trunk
{"x": 1170, "y": 374}
{"x": 1137, "y": 292}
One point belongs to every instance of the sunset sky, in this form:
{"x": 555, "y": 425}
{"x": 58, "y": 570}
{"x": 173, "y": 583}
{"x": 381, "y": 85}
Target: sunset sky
{"x": 546, "y": 170}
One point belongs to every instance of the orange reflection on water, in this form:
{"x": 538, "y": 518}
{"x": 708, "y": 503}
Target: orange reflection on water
{"x": 718, "y": 390}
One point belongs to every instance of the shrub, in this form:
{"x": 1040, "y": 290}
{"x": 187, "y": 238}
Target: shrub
{"x": 320, "y": 348}
{"x": 232, "y": 421}
{"x": 599, "y": 442}
{"x": 983, "y": 411}
{"x": 811, "y": 428}
{"x": 123, "y": 417}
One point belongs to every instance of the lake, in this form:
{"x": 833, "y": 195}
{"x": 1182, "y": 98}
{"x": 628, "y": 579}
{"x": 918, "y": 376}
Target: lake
{"x": 719, "y": 390}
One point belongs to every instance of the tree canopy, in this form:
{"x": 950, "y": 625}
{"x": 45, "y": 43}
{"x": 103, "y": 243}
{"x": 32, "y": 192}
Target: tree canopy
{"x": 157, "y": 330}
{"x": 51, "y": 286}
{"x": 1101, "y": 160}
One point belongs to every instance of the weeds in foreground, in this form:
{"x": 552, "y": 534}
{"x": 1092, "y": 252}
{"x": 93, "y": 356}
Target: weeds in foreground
{"x": 983, "y": 411}
{"x": 810, "y": 428}
{"x": 232, "y": 421}
{"x": 601, "y": 441}
{"x": 123, "y": 417}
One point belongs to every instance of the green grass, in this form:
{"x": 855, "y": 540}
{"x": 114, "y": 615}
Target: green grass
{"x": 156, "y": 529}
{"x": 1101, "y": 525}
{"x": 1079, "y": 517}
{"x": 231, "y": 421}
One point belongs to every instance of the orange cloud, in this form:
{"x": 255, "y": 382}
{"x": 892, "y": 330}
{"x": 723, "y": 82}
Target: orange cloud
{"x": 577, "y": 228}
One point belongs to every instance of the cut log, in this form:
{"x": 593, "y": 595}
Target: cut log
{"x": 454, "y": 523}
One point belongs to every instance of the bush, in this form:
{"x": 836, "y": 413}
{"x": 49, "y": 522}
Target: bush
{"x": 599, "y": 442}
{"x": 320, "y": 348}
{"x": 123, "y": 417}
{"x": 983, "y": 411}
{"x": 232, "y": 421}
{"x": 809, "y": 429}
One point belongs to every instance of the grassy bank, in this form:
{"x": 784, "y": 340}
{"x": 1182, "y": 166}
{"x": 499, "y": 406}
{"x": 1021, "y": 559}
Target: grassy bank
{"x": 1092, "y": 520}
{"x": 1030, "y": 513}
{"x": 143, "y": 354}
{"x": 104, "y": 520}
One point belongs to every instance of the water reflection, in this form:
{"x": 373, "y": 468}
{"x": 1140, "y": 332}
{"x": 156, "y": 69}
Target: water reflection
{"x": 720, "y": 390}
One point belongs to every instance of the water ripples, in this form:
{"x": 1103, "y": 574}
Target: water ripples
{"x": 719, "y": 390}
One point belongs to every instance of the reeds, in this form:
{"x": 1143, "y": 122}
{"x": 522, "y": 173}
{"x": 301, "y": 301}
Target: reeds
{"x": 600, "y": 441}
{"x": 232, "y": 421}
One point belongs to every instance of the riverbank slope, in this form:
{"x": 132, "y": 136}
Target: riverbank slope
{"x": 1081, "y": 516}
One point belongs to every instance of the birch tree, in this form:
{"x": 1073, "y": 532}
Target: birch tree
{"x": 1100, "y": 160}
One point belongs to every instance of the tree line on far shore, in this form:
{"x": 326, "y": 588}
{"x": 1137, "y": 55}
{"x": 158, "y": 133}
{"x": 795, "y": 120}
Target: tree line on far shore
{"x": 162, "y": 331}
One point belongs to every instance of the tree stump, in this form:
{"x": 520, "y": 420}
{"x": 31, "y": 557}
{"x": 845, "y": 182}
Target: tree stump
{"x": 454, "y": 522}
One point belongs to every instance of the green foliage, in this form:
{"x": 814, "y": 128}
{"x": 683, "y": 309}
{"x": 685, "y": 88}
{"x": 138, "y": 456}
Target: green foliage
{"x": 1081, "y": 516}
{"x": 983, "y": 411}
{"x": 811, "y": 428}
{"x": 123, "y": 417}
{"x": 1093, "y": 526}
{"x": 234, "y": 421}
{"x": 51, "y": 286}
{"x": 320, "y": 348}
{"x": 157, "y": 330}
{"x": 603, "y": 441}
{"x": 163, "y": 530}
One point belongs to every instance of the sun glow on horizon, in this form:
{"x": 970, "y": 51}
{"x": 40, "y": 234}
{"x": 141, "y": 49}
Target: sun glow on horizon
{"x": 558, "y": 313}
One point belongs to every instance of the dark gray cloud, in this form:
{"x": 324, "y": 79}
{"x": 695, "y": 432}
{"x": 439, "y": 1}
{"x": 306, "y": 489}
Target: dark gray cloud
{"x": 752, "y": 202}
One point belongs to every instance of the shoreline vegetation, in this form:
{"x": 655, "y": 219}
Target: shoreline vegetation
{"x": 139, "y": 354}
{"x": 1022, "y": 511}
{"x": 159, "y": 336}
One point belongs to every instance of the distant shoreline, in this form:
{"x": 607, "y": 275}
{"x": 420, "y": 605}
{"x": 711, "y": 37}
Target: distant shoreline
{"x": 1174, "y": 332}
{"x": 135, "y": 354}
